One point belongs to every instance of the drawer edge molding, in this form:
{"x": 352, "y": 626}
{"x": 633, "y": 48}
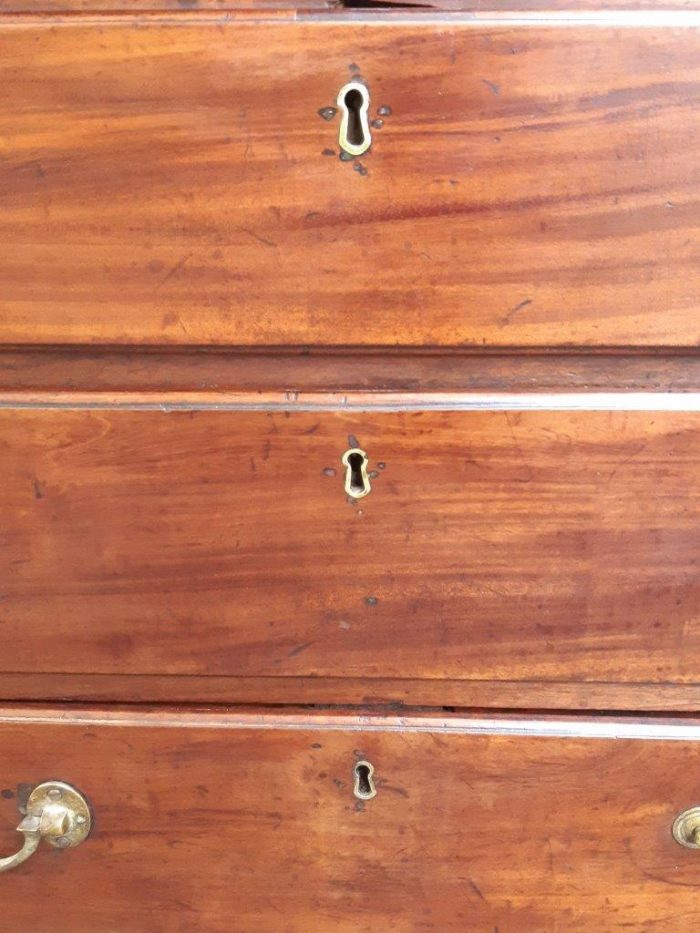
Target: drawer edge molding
{"x": 585, "y": 726}
{"x": 386, "y": 402}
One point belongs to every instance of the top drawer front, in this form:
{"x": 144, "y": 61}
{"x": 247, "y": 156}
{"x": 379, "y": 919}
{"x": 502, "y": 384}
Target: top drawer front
{"x": 172, "y": 183}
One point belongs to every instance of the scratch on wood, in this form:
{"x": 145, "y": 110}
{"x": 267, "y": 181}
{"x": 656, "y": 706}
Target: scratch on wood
{"x": 175, "y": 269}
{"x": 256, "y": 236}
{"x": 513, "y": 311}
{"x": 521, "y": 456}
{"x": 401, "y": 791}
{"x": 477, "y": 890}
{"x": 299, "y": 649}
{"x": 495, "y": 88}
{"x": 628, "y": 459}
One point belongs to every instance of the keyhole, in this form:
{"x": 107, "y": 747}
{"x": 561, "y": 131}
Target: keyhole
{"x": 353, "y": 101}
{"x": 357, "y": 482}
{"x": 356, "y": 462}
{"x": 364, "y": 784}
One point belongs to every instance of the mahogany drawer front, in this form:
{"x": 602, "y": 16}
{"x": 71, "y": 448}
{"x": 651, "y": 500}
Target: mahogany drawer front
{"x": 529, "y": 554}
{"x": 173, "y": 182}
{"x": 241, "y": 822}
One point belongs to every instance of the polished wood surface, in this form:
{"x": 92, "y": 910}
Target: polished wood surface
{"x": 364, "y": 8}
{"x": 202, "y": 308}
{"x": 539, "y": 546}
{"x": 233, "y": 823}
{"x": 147, "y": 8}
{"x": 91, "y": 376}
{"x": 172, "y": 182}
{"x": 366, "y": 693}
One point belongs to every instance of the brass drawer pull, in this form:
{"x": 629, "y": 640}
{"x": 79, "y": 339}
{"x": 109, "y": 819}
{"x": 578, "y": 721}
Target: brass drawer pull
{"x": 57, "y": 812}
{"x": 686, "y": 828}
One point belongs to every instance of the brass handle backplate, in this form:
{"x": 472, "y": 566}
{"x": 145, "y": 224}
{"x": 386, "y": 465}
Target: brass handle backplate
{"x": 686, "y": 828}
{"x": 56, "y": 812}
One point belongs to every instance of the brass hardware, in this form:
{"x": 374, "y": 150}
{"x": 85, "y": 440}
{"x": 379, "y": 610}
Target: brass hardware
{"x": 353, "y": 102}
{"x": 364, "y": 785}
{"x": 357, "y": 482}
{"x": 55, "y": 811}
{"x": 686, "y": 828}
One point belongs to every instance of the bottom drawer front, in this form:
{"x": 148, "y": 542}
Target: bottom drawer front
{"x": 241, "y": 822}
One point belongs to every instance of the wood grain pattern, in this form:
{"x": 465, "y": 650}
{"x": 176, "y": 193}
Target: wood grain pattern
{"x": 166, "y": 183}
{"x": 543, "y": 547}
{"x": 378, "y": 693}
{"x": 366, "y": 7}
{"x": 43, "y": 375}
{"x": 193, "y": 823}
{"x": 149, "y": 7}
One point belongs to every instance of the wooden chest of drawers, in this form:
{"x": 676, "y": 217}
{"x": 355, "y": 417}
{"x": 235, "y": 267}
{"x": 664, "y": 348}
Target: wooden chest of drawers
{"x": 349, "y": 436}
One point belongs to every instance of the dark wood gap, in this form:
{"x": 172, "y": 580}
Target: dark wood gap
{"x": 361, "y": 350}
{"x": 633, "y": 699}
{"x": 371, "y": 709}
{"x": 386, "y": 5}
{"x": 281, "y": 376}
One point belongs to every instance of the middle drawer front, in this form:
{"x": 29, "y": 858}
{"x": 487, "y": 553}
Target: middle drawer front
{"x": 544, "y": 547}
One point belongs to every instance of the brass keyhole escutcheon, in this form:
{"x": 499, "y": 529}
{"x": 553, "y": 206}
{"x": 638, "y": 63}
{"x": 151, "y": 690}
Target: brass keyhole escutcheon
{"x": 364, "y": 783}
{"x": 686, "y": 828}
{"x": 354, "y": 136}
{"x": 357, "y": 482}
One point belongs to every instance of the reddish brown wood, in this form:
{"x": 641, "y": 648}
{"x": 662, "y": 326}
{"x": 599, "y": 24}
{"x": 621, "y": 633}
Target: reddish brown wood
{"x": 367, "y": 8}
{"x": 166, "y": 182}
{"x": 214, "y": 824}
{"x": 131, "y": 376}
{"x": 376, "y": 693}
{"x": 548, "y": 547}
{"x": 364, "y": 7}
{"x": 172, "y": 211}
{"x": 147, "y": 7}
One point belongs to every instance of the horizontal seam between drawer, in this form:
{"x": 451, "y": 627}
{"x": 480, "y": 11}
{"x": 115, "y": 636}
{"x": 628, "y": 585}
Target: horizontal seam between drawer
{"x": 360, "y": 678}
{"x": 576, "y": 729}
{"x": 400, "y": 401}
